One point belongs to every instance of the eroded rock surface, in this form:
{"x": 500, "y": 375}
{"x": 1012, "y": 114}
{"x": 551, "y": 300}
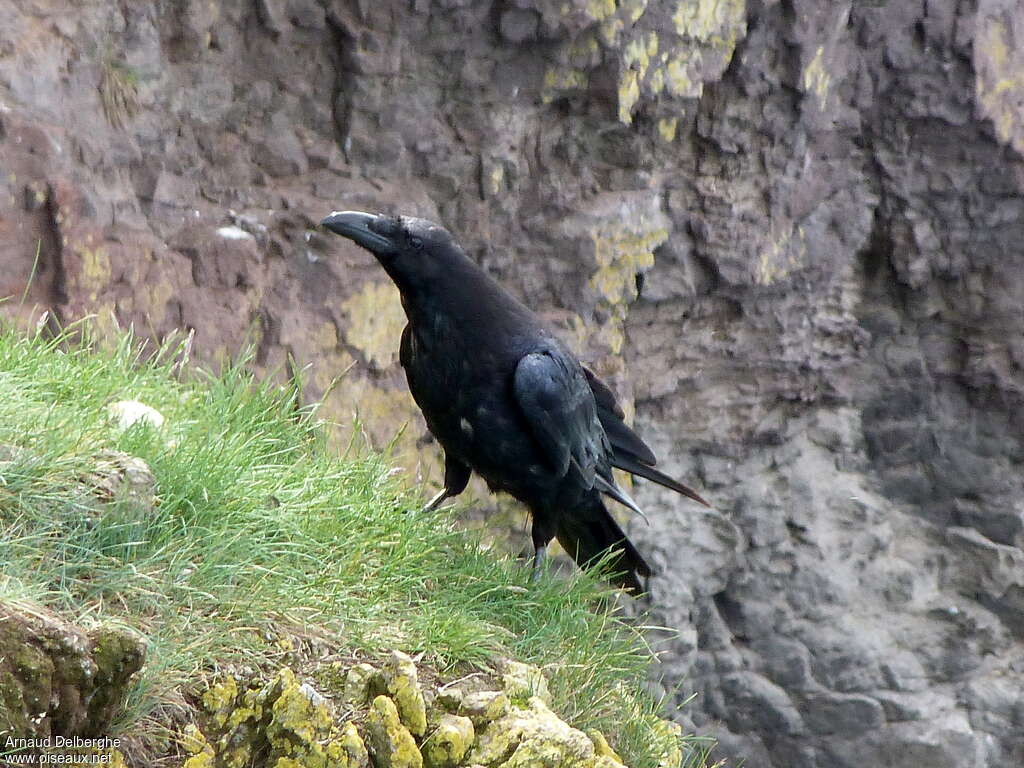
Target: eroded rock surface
{"x": 790, "y": 234}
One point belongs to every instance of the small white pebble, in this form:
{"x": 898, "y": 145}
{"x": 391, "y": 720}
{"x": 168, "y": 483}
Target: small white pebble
{"x": 234, "y": 233}
{"x": 128, "y": 412}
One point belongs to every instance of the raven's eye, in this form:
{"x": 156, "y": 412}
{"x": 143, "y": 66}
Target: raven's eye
{"x": 415, "y": 242}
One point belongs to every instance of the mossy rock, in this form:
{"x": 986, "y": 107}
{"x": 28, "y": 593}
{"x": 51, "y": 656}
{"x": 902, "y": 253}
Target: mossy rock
{"x": 449, "y": 742}
{"x": 532, "y": 737}
{"x": 483, "y": 707}
{"x": 48, "y": 666}
{"x": 404, "y": 689}
{"x": 285, "y": 724}
{"x": 390, "y": 742}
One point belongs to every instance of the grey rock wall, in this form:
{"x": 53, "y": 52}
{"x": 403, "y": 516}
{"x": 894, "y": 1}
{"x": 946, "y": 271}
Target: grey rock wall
{"x": 789, "y": 232}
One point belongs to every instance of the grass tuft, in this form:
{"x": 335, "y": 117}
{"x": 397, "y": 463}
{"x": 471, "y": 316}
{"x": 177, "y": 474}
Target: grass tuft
{"x": 258, "y": 532}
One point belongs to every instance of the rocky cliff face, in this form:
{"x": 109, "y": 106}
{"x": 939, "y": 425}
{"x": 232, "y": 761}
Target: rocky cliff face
{"x": 790, "y": 233}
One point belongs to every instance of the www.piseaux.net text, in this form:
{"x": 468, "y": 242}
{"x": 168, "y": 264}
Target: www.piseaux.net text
{"x": 58, "y": 750}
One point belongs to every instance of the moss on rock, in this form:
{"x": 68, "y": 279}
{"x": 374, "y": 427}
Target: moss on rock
{"x": 404, "y": 688}
{"x": 483, "y": 707}
{"x": 390, "y": 742}
{"x": 530, "y": 737}
{"x": 285, "y": 723}
{"x": 285, "y": 720}
{"x": 449, "y": 742}
{"x": 56, "y": 679}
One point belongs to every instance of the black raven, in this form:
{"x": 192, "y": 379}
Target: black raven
{"x": 505, "y": 397}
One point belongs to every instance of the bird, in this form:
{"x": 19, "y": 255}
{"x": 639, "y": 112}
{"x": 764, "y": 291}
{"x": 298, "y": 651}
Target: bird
{"x": 507, "y": 399}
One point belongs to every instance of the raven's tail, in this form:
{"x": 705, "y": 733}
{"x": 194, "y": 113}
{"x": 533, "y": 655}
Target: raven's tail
{"x": 589, "y": 531}
{"x": 634, "y": 467}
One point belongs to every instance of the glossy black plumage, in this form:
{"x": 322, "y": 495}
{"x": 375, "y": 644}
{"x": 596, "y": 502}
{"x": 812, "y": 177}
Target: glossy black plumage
{"x": 505, "y": 397}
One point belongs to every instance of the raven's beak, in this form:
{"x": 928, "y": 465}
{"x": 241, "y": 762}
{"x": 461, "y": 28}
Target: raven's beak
{"x": 355, "y": 225}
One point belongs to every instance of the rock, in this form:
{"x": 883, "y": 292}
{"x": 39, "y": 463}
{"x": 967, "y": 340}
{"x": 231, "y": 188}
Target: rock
{"x": 281, "y": 153}
{"x": 404, "y": 689}
{"x": 842, "y": 713}
{"x": 389, "y": 742}
{"x": 59, "y": 680}
{"x": 352, "y": 748}
{"x": 483, "y": 707}
{"x": 449, "y": 742}
{"x": 518, "y": 25}
{"x": 602, "y": 749}
{"x": 521, "y": 681}
{"x": 363, "y": 683}
{"x": 449, "y": 699}
{"x": 124, "y": 479}
{"x": 530, "y": 737}
{"x": 287, "y": 721}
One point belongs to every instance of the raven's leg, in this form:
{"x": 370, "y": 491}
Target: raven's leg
{"x": 541, "y": 536}
{"x": 540, "y": 557}
{"x": 456, "y": 476}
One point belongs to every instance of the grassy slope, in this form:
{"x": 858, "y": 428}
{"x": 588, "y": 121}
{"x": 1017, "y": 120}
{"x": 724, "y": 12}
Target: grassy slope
{"x": 260, "y": 531}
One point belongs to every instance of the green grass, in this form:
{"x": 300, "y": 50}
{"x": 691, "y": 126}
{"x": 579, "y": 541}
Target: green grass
{"x": 261, "y": 532}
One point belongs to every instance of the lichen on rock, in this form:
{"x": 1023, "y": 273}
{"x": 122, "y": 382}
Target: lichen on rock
{"x": 532, "y": 736}
{"x": 56, "y": 679}
{"x": 390, "y": 743}
{"x": 449, "y": 742}
{"x": 282, "y": 719}
{"x": 404, "y": 688}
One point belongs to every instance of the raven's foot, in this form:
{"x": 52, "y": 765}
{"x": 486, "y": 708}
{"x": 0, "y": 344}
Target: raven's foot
{"x": 436, "y": 502}
{"x": 540, "y": 557}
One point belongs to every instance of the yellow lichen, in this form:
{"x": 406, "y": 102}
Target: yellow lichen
{"x": 620, "y": 254}
{"x": 557, "y": 81}
{"x": 786, "y": 251}
{"x": 404, "y": 688}
{"x": 492, "y": 177}
{"x": 529, "y": 737}
{"x": 375, "y": 322}
{"x": 361, "y": 684}
{"x": 600, "y": 9}
{"x": 718, "y": 22}
{"x": 673, "y": 755}
{"x": 219, "y": 700}
{"x": 95, "y": 272}
{"x": 482, "y": 707}
{"x": 521, "y": 681}
{"x": 351, "y": 745}
{"x": 667, "y": 127}
{"x": 677, "y": 75}
{"x": 449, "y": 743}
{"x": 601, "y": 746}
{"x": 295, "y": 717}
{"x": 284, "y": 719}
{"x": 999, "y": 82}
{"x": 154, "y": 296}
{"x": 816, "y": 79}
{"x": 388, "y": 740}
{"x": 629, "y": 95}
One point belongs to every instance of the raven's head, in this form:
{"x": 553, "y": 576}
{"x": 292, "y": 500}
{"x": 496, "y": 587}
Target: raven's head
{"x": 387, "y": 237}
{"x": 414, "y": 252}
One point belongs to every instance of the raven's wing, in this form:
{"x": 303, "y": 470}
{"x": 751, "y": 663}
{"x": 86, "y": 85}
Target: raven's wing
{"x": 552, "y": 394}
{"x": 629, "y": 452}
